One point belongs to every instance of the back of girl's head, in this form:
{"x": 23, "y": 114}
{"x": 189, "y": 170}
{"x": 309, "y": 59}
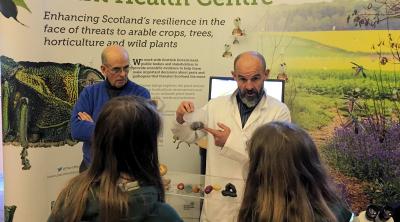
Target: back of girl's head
{"x": 286, "y": 177}
{"x": 284, "y": 149}
{"x": 125, "y": 139}
{"x": 124, "y": 144}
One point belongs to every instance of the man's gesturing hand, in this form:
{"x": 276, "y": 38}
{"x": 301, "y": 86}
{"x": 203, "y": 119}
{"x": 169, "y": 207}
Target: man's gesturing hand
{"x": 184, "y": 107}
{"x": 220, "y": 136}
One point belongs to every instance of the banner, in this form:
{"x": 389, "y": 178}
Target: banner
{"x": 173, "y": 47}
{"x": 48, "y": 47}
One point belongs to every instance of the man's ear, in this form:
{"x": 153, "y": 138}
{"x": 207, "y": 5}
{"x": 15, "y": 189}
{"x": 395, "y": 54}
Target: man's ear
{"x": 233, "y": 75}
{"x": 103, "y": 70}
{"x": 267, "y": 74}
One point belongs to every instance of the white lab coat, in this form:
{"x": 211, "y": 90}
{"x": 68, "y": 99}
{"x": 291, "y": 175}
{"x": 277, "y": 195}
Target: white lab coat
{"x": 228, "y": 164}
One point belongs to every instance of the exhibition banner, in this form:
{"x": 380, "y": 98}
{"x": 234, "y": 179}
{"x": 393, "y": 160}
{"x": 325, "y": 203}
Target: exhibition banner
{"x": 47, "y": 48}
{"x": 50, "y": 50}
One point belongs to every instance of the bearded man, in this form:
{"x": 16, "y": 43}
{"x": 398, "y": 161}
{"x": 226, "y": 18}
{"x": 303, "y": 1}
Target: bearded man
{"x": 229, "y": 123}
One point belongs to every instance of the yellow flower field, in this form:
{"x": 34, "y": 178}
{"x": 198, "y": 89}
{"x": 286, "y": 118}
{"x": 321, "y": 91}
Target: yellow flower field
{"x": 354, "y": 41}
{"x": 329, "y": 50}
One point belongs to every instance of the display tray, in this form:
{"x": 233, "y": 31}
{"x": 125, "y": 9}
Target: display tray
{"x": 186, "y": 192}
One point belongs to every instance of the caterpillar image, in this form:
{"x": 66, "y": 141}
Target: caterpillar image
{"x": 37, "y": 99}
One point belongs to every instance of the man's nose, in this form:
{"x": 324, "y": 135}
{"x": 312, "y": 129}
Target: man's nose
{"x": 123, "y": 73}
{"x": 249, "y": 85}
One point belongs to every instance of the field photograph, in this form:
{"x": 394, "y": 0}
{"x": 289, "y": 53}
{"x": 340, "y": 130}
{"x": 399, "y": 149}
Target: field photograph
{"x": 342, "y": 85}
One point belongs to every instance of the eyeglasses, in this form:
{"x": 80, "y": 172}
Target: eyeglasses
{"x": 118, "y": 70}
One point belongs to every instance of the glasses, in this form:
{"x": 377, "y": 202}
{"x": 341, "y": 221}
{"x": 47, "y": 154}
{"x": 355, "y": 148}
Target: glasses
{"x": 118, "y": 70}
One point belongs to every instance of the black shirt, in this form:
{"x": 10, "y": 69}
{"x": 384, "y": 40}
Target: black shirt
{"x": 113, "y": 91}
{"x": 245, "y": 111}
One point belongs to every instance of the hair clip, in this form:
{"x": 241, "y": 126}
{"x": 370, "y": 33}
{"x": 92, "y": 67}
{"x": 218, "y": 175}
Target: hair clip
{"x": 129, "y": 186}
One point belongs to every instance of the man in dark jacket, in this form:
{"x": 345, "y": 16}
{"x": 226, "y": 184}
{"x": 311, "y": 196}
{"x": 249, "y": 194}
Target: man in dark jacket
{"x": 115, "y": 67}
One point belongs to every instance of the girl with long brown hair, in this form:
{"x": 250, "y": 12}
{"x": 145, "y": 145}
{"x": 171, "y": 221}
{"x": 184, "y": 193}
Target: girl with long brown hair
{"x": 286, "y": 180}
{"x": 123, "y": 182}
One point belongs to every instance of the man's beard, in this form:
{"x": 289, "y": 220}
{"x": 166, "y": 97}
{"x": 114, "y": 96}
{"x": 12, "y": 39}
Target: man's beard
{"x": 250, "y": 97}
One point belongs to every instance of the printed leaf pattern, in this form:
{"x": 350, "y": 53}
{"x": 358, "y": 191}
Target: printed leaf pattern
{"x": 22, "y": 4}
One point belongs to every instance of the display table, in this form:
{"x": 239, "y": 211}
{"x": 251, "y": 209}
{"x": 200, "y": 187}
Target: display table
{"x": 186, "y": 192}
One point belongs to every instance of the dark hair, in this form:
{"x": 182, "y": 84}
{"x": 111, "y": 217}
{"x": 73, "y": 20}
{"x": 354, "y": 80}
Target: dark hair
{"x": 286, "y": 180}
{"x": 124, "y": 142}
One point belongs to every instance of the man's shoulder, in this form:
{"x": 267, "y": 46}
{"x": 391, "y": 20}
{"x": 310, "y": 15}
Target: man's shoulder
{"x": 271, "y": 101}
{"x": 91, "y": 90}
{"x": 135, "y": 85}
{"x": 133, "y": 88}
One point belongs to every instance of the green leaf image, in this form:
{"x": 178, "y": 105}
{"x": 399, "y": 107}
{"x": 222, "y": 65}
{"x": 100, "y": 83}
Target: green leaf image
{"x": 22, "y": 4}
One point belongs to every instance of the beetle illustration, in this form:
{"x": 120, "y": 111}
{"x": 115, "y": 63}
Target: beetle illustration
{"x": 237, "y": 31}
{"x": 37, "y": 99}
{"x": 282, "y": 74}
{"x": 227, "y": 53}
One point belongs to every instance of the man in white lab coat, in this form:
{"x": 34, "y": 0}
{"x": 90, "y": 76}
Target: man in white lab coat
{"x": 229, "y": 123}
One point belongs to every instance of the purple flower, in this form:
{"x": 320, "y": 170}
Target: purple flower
{"x": 372, "y": 153}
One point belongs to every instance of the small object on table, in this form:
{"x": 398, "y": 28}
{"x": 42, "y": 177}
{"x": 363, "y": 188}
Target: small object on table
{"x": 188, "y": 188}
{"x": 166, "y": 183}
{"x": 180, "y": 186}
{"x": 216, "y": 187}
{"x": 230, "y": 190}
{"x": 163, "y": 169}
{"x": 208, "y": 189}
{"x": 196, "y": 189}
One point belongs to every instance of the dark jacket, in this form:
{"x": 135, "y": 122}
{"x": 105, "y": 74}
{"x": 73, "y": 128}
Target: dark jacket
{"x": 143, "y": 205}
{"x": 91, "y": 100}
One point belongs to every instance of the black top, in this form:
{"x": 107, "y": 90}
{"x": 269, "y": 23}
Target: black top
{"x": 245, "y": 111}
{"x": 113, "y": 91}
{"x": 143, "y": 205}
